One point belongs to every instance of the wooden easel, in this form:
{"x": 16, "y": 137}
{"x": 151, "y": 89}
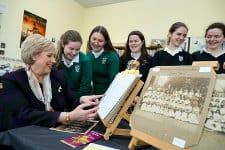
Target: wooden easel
{"x": 138, "y": 136}
{"x": 111, "y": 128}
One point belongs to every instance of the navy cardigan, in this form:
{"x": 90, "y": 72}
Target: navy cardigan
{"x": 19, "y": 106}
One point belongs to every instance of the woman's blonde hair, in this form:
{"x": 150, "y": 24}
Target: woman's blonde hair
{"x": 34, "y": 45}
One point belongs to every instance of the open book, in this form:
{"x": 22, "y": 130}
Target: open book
{"x": 76, "y": 126}
{"x": 116, "y": 95}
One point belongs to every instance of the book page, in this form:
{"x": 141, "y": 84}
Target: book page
{"x": 94, "y": 146}
{"x": 115, "y": 92}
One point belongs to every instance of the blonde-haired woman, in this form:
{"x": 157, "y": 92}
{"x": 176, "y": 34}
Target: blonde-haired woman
{"x": 38, "y": 95}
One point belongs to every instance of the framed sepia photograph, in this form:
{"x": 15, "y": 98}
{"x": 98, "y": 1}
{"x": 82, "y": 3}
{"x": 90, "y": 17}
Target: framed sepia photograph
{"x": 216, "y": 115}
{"x": 174, "y": 103}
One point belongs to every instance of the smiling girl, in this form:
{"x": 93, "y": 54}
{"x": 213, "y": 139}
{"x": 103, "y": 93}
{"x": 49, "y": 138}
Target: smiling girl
{"x": 104, "y": 58}
{"x": 136, "y": 50}
{"x": 174, "y": 54}
{"x": 75, "y": 64}
{"x": 214, "y": 50}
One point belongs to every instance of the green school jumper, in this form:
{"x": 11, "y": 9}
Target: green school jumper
{"x": 104, "y": 69}
{"x": 79, "y": 76}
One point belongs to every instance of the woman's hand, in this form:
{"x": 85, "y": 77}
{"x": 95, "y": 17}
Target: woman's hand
{"x": 87, "y": 110}
{"x": 82, "y": 114}
{"x": 92, "y": 99}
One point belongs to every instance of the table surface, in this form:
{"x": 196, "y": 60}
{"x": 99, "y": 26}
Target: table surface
{"x": 42, "y": 138}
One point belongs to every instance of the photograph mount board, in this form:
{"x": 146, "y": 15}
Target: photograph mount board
{"x": 178, "y": 103}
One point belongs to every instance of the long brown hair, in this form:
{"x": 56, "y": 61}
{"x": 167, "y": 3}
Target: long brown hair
{"x": 144, "y": 53}
{"x": 108, "y": 44}
{"x": 68, "y": 36}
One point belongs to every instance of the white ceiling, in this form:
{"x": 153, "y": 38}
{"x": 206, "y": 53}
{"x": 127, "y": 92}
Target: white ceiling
{"x": 93, "y": 3}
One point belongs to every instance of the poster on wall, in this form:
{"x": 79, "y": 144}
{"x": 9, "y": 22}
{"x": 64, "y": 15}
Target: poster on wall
{"x": 32, "y": 24}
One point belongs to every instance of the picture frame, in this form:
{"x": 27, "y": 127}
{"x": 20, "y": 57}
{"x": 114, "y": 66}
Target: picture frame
{"x": 196, "y": 44}
{"x": 216, "y": 116}
{"x": 32, "y": 24}
{"x": 158, "y": 43}
{"x": 176, "y": 108}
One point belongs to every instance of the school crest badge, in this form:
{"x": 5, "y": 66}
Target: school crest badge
{"x": 104, "y": 60}
{"x": 77, "y": 68}
{"x": 60, "y": 89}
{"x": 181, "y": 58}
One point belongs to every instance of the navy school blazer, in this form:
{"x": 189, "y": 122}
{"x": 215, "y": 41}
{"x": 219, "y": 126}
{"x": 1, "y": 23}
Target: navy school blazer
{"x": 19, "y": 106}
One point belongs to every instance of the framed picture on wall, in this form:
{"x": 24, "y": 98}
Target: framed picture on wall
{"x": 158, "y": 43}
{"x": 32, "y": 24}
{"x": 196, "y": 44}
{"x": 185, "y": 44}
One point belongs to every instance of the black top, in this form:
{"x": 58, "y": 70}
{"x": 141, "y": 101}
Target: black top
{"x": 19, "y": 106}
{"x": 204, "y": 56}
{"x": 163, "y": 58}
{"x": 144, "y": 67}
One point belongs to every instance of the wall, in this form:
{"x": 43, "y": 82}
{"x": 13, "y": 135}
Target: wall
{"x": 61, "y": 15}
{"x": 153, "y": 17}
